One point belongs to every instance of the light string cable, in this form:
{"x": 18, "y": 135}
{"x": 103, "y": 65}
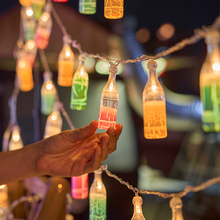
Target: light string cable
{"x": 198, "y": 35}
{"x": 180, "y": 194}
{"x": 61, "y": 107}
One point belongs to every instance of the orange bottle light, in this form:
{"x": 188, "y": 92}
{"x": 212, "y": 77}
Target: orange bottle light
{"x": 65, "y": 63}
{"x": 25, "y": 2}
{"x": 60, "y": 0}
{"x": 109, "y": 101}
{"x": 113, "y": 9}
{"x": 80, "y": 186}
{"x": 154, "y": 106}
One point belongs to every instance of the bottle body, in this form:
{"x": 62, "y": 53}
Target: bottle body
{"x": 87, "y": 6}
{"x": 80, "y": 186}
{"x": 38, "y": 6}
{"x": 113, "y": 9}
{"x": 15, "y": 142}
{"x": 138, "y": 214}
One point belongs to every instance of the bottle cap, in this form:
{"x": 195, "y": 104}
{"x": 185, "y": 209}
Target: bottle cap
{"x": 151, "y": 64}
{"x": 137, "y": 200}
{"x": 176, "y": 202}
{"x": 113, "y": 69}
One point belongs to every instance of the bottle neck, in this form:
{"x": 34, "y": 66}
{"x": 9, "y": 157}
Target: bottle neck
{"x": 213, "y": 50}
{"x": 152, "y": 76}
{"x": 138, "y": 209}
{"x": 112, "y": 77}
{"x": 98, "y": 177}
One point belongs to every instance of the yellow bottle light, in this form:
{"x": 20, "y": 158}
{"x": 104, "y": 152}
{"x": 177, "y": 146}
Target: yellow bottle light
{"x": 15, "y": 141}
{"x": 138, "y": 214}
{"x": 65, "y": 63}
{"x": 113, "y": 9}
{"x": 43, "y": 29}
{"x": 154, "y": 106}
{"x": 54, "y": 122}
{"x": 176, "y": 207}
{"x": 25, "y": 2}
{"x": 3, "y": 197}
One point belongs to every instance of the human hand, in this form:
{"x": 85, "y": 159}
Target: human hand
{"x": 76, "y": 152}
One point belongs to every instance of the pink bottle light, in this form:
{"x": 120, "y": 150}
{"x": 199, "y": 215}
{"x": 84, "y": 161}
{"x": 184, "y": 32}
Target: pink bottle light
{"x": 80, "y": 186}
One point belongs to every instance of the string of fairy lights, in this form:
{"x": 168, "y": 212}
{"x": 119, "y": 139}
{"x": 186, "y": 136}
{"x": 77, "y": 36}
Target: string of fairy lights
{"x": 36, "y": 24}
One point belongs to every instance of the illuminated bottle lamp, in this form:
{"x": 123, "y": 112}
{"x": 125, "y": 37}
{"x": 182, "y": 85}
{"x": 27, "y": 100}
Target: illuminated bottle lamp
{"x": 25, "y": 2}
{"x": 113, "y": 9}
{"x": 97, "y": 198}
{"x": 109, "y": 101}
{"x": 210, "y": 84}
{"x": 65, "y": 63}
{"x": 154, "y": 106}
{"x": 3, "y": 197}
{"x": 60, "y": 0}
{"x": 43, "y": 29}
{"x": 48, "y": 94}
{"x": 25, "y": 76}
{"x": 15, "y": 141}
{"x": 38, "y": 6}
{"x": 87, "y": 6}
{"x": 54, "y": 122}
{"x": 29, "y": 22}
{"x": 138, "y": 214}
{"x": 80, "y": 85}
{"x": 176, "y": 207}
{"x": 80, "y": 186}
{"x": 29, "y": 52}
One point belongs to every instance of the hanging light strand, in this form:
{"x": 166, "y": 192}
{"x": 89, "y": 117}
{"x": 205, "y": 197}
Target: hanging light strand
{"x": 187, "y": 189}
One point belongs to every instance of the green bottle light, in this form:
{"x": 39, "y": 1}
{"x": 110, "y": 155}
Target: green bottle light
{"x": 87, "y": 6}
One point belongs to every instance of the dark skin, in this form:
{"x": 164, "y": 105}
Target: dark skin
{"x": 70, "y": 153}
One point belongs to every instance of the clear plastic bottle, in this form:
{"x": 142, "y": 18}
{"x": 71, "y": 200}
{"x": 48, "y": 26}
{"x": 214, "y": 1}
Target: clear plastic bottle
{"x": 87, "y": 6}
{"x": 80, "y": 85}
{"x": 138, "y": 214}
{"x": 38, "y": 6}
{"x": 97, "y": 198}
{"x": 176, "y": 207}
{"x": 66, "y": 63}
{"x": 113, "y": 9}
{"x": 48, "y": 94}
{"x": 210, "y": 84}
{"x": 43, "y": 29}
{"x": 109, "y": 101}
{"x": 154, "y": 106}
{"x": 15, "y": 141}
{"x": 54, "y": 122}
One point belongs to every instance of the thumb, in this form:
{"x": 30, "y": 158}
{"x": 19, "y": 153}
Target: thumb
{"x": 83, "y": 133}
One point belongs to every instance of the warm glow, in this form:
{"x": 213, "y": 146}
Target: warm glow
{"x": 29, "y": 12}
{"x": 143, "y": 35}
{"x": 216, "y": 66}
{"x": 53, "y": 117}
{"x": 2, "y": 186}
{"x": 16, "y": 136}
{"x": 44, "y": 18}
{"x": 154, "y": 87}
{"x": 67, "y": 53}
{"x": 113, "y": 9}
{"x": 30, "y": 44}
{"x": 21, "y": 64}
{"x": 99, "y": 185}
{"x": 111, "y": 86}
{"x": 60, "y": 186}
{"x": 49, "y": 86}
{"x": 166, "y": 31}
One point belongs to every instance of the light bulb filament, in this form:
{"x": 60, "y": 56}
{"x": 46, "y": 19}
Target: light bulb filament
{"x": 216, "y": 66}
{"x": 154, "y": 87}
{"x": 44, "y": 18}
{"x": 29, "y": 12}
{"x": 67, "y": 53}
{"x": 53, "y": 117}
{"x": 49, "y": 86}
{"x": 16, "y": 137}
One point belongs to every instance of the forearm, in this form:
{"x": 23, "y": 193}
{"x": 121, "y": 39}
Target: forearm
{"x": 18, "y": 164}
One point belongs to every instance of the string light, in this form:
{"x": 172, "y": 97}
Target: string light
{"x": 15, "y": 141}
{"x": 113, "y": 9}
{"x": 4, "y": 196}
{"x": 44, "y": 28}
{"x": 87, "y": 6}
{"x": 138, "y": 214}
{"x": 48, "y": 94}
{"x": 176, "y": 207}
{"x": 154, "y": 109}
{"x": 80, "y": 186}
{"x": 80, "y": 85}
{"x": 38, "y": 6}
{"x": 65, "y": 63}
{"x": 97, "y": 198}
{"x": 210, "y": 83}
{"x": 109, "y": 101}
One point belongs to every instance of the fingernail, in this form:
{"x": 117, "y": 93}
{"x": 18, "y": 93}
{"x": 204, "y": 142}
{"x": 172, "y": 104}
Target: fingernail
{"x": 112, "y": 131}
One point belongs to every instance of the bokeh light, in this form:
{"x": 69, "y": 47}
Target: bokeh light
{"x": 165, "y": 32}
{"x": 143, "y": 35}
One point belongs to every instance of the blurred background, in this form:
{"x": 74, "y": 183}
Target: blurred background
{"x": 187, "y": 156}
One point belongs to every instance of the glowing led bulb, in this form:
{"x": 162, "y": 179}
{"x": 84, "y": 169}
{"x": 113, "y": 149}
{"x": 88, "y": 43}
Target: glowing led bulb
{"x": 48, "y": 94}
{"x": 38, "y": 6}
{"x": 54, "y": 122}
{"x": 87, "y": 6}
{"x": 113, "y": 9}
{"x": 109, "y": 101}
{"x": 210, "y": 84}
{"x": 15, "y": 141}
{"x": 65, "y": 63}
{"x": 44, "y": 28}
{"x": 80, "y": 186}
{"x": 154, "y": 106}
{"x": 137, "y": 202}
{"x": 80, "y": 85}
{"x": 176, "y": 207}
{"x": 97, "y": 198}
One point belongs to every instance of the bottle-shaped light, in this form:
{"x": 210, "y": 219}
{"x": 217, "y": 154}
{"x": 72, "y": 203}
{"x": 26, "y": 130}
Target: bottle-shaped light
{"x": 210, "y": 84}
{"x": 87, "y": 6}
{"x": 113, "y": 9}
{"x": 43, "y": 29}
{"x": 109, "y": 101}
{"x": 176, "y": 207}
{"x": 97, "y": 198}
{"x": 15, "y": 141}
{"x": 29, "y": 52}
{"x": 3, "y": 196}
{"x": 80, "y": 85}
{"x": 80, "y": 186}
{"x": 54, "y": 122}
{"x": 24, "y": 74}
{"x": 154, "y": 106}
{"x": 60, "y": 0}
{"x": 137, "y": 202}
{"x": 38, "y": 6}
{"x": 25, "y": 2}
{"x": 66, "y": 63}
{"x": 48, "y": 94}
